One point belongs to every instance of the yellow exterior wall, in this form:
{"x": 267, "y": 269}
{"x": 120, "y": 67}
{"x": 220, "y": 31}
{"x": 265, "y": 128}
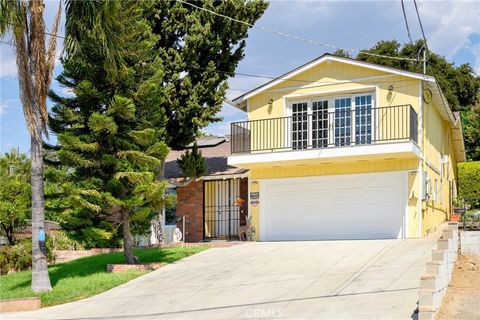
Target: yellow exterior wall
{"x": 437, "y": 142}
{"x": 313, "y": 82}
{"x": 258, "y": 174}
{"x": 406, "y": 91}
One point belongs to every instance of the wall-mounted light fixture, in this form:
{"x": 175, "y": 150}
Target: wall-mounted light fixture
{"x": 390, "y": 93}
{"x": 270, "y": 105}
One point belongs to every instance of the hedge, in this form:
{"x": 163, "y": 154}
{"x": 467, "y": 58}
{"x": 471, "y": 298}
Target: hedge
{"x": 469, "y": 179}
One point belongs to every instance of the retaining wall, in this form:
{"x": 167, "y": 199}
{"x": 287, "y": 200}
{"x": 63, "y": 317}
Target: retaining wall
{"x": 470, "y": 242}
{"x": 438, "y": 273}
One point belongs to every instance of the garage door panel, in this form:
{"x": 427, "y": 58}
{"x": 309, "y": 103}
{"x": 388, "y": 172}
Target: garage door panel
{"x": 363, "y": 206}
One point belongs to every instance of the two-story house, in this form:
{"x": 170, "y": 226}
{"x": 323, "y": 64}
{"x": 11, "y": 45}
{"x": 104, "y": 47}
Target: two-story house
{"x": 344, "y": 149}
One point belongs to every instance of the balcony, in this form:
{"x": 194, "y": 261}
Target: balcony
{"x": 343, "y": 132}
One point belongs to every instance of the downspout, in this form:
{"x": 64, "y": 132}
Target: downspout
{"x": 421, "y": 186}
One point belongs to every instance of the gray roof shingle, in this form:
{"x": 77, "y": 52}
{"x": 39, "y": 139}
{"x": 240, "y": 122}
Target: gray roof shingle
{"x": 215, "y": 150}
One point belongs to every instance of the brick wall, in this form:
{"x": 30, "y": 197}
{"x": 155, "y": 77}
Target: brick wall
{"x": 115, "y": 268}
{"x": 67, "y": 255}
{"x": 190, "y": 205}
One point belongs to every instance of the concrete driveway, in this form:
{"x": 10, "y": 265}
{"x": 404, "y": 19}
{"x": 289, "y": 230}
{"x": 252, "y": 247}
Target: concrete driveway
{"x": 362, "y": 279}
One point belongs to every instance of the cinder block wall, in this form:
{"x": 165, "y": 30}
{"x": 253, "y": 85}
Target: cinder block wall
{"x": 190, "y": 205}
{"x": 438, "y": 273}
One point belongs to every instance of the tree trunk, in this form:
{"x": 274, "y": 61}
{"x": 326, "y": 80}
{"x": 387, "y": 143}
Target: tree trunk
{"x": 127, "y": 238}
{"x": 40, "y": 278}
{"x": 157, "y": 229}
{"x": 9, "y": 234}
{"x": 157, "y": 222}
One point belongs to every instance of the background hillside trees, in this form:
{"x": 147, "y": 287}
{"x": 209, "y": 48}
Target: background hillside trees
{"x": 460, "y": 84}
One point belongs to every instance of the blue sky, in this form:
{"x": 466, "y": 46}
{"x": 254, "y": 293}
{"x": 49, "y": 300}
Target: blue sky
{"x": 452, "y": 29}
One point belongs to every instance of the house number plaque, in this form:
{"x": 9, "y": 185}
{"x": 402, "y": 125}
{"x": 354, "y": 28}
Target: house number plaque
{"x": 254, "y": 198}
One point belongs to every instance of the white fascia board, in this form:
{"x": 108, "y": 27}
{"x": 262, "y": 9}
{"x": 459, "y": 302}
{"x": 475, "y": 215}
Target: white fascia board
{"x": 340, "y": 152}
{"x": 337, "y": 59}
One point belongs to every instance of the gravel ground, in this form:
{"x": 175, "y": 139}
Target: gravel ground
{"x": 462, "y": 300}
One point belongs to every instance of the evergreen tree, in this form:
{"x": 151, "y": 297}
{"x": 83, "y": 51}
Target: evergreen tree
{"x": 199, "y": 52}
{"x": 192, "y": 163}
{"x": 110, "y": 135}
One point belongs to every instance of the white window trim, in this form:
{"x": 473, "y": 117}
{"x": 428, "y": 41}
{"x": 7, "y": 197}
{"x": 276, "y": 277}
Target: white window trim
{"x": 288, "y": 102}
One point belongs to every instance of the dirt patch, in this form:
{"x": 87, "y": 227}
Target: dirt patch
{"x": 462, "y": 299}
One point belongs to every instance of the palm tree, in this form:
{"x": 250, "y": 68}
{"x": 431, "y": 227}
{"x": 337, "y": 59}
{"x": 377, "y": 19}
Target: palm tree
{"x": 23, "y": 20}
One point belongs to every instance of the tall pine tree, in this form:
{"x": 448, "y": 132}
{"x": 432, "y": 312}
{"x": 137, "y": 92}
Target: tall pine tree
{"x": 110, "y": 134}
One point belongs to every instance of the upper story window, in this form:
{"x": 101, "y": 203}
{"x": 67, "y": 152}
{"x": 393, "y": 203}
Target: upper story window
{"x": 338, "y": 121}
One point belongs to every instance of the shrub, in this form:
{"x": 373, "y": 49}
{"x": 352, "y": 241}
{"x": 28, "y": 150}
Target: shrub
{"x": 60, "y": 241}
{"x": 19, "y": 256}
{"x": 469, "y": 179}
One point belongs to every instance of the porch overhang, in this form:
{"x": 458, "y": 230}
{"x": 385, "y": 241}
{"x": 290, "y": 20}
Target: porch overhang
{"x": 379, "y": 151}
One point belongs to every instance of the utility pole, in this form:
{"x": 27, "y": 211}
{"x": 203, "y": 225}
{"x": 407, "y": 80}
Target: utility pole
{"x": 424, "y": 60}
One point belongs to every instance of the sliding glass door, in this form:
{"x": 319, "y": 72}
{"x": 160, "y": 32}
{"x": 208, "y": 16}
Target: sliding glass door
{"x": 338, "y": 121}
{"x": 300, "y": 125}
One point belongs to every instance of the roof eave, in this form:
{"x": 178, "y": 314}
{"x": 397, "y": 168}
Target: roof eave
{"x": 324, "y": 58}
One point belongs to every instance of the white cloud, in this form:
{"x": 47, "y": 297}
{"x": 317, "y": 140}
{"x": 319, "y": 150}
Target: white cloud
{"x": 218, "y": 128}
{"x": 67, "y": 92}
{"x": 3, "y": 108}
{"x": 449, "y": 24}
{"x": 8, "y": 67}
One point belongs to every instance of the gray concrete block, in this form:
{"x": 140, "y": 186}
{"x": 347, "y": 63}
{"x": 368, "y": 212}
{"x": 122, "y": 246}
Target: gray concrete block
{"x": 470, "y": 242}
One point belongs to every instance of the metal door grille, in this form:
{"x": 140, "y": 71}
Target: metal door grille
{"x": 221, "y": 214}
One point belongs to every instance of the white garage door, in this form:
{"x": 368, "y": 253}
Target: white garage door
{"x": 357, "y": 206}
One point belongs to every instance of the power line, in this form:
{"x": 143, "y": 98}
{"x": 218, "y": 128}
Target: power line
{"x": 295, "y": 37}
{"x": 267, "y": 77}
{"x": 10, "y": 44}
{"x": 433, "y": 69}
{"x": 420, "y": 23}
{"x": 406, "y": 22}
{"x": 47, "y": 33}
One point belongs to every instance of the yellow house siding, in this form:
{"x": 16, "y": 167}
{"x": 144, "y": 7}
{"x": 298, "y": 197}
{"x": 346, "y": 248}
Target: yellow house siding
{"x": 258, "y": 174}
{"x": 316, "y": 82}
{"x": 437, "y": 143}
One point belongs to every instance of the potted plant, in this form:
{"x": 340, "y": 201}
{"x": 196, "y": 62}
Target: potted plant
{"x": 458, "y": 210}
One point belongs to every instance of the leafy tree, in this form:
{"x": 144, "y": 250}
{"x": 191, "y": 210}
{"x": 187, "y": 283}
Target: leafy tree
{"x": 110, "y": 134}
{"x": 342, "y": 53}
{"x": 15, "y": 194}
{"x": 192, "y": 163}
{"x": 471, "y": 131}
{"x": 35, "y": 61}
{"x": 199, "y": 51}
{"x": 460, "y": 84}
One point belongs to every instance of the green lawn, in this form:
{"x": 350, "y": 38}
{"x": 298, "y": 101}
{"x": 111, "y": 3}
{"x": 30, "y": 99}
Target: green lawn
{"x": 85, "y": 277}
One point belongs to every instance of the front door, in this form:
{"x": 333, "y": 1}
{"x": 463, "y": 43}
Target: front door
{"x": 221, "y": 212}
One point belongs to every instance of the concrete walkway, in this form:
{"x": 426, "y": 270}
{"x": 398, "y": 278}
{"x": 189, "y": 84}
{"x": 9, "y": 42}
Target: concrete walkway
{"x": 362, "y": 279}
